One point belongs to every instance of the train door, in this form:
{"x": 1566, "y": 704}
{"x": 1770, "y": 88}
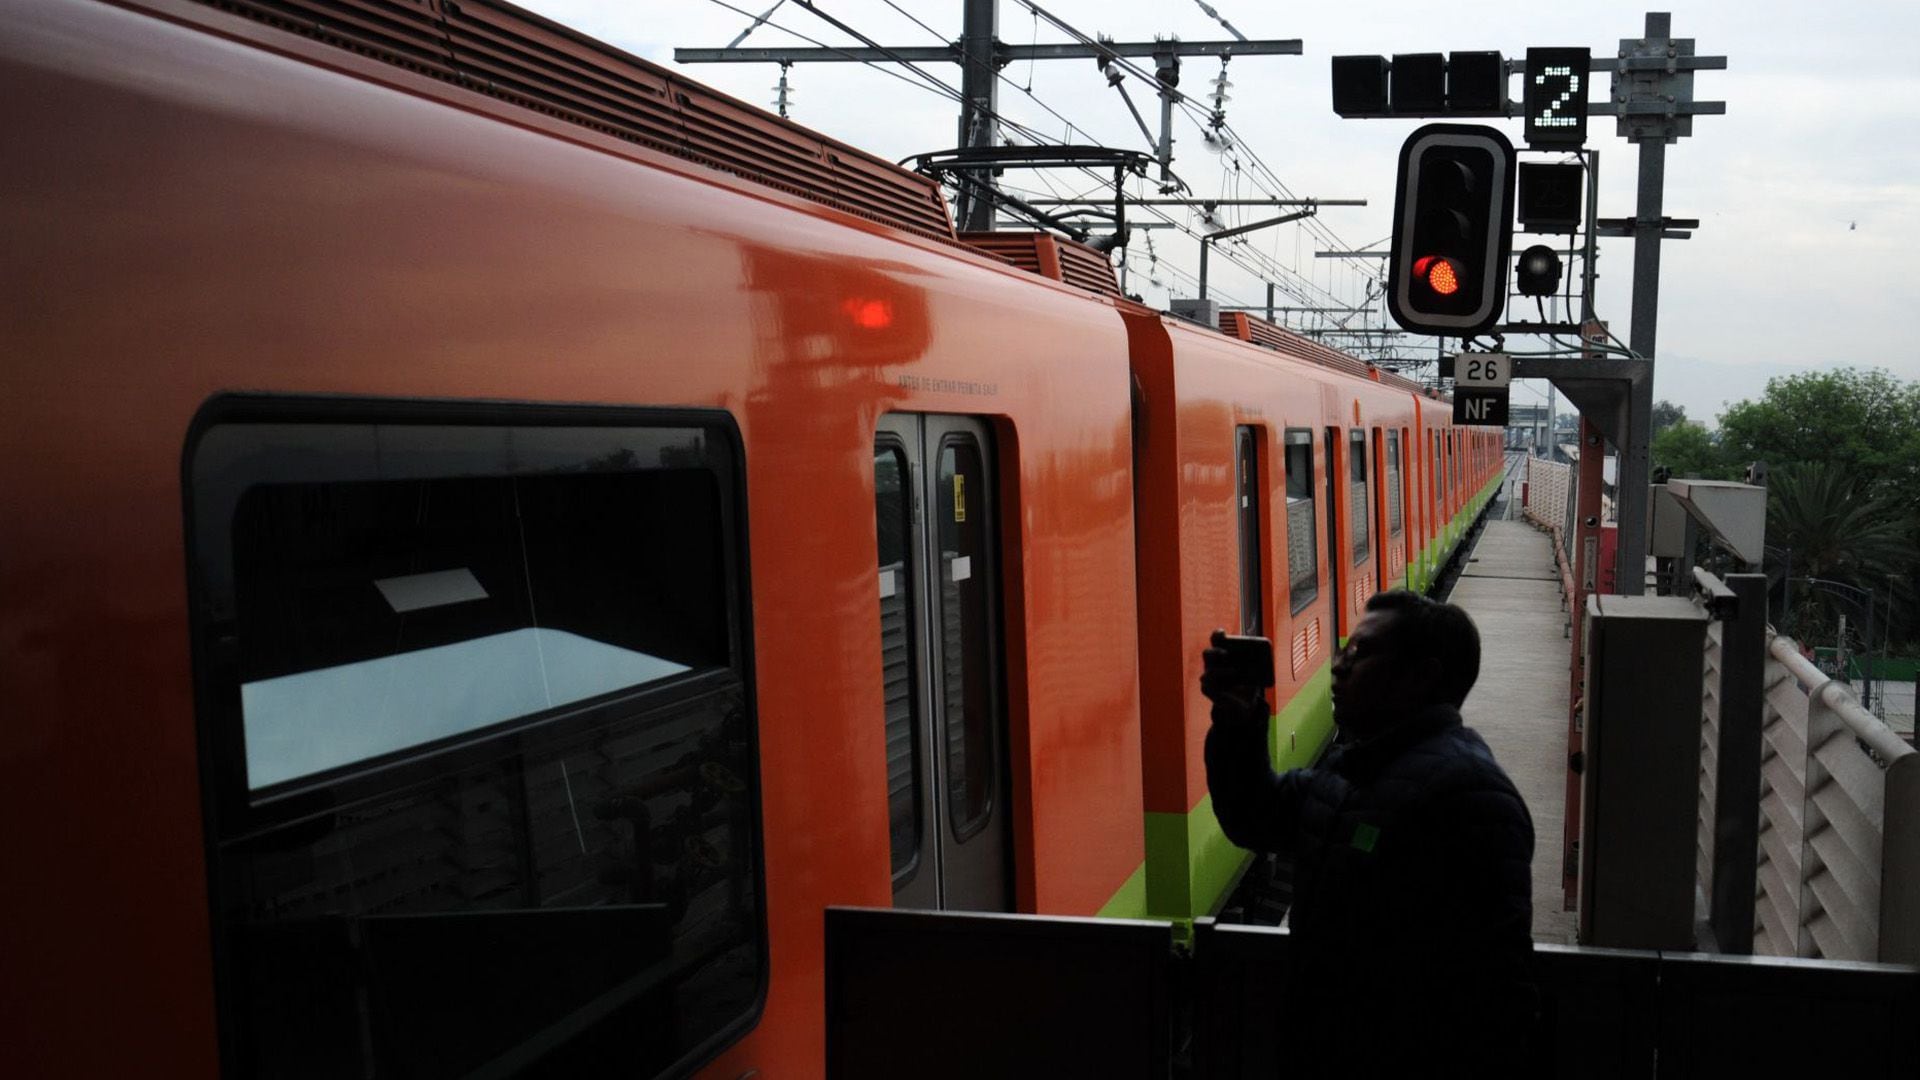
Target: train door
{"x": 948, "y": 790}
{"x": 1335, "y": 553}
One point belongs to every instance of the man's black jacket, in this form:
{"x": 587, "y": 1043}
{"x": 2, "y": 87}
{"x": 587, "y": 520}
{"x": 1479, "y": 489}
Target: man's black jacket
{"x": 1412, "y": 912}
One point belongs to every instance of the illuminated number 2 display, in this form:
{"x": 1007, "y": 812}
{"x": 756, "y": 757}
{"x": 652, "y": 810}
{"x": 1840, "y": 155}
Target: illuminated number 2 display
{"x": 1556, "y": 96}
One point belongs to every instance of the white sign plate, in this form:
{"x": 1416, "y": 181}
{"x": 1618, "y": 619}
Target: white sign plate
{"x": 1491, "y": 370}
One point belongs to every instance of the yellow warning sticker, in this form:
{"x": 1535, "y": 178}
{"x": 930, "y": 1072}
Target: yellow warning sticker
{"x": 959, "y": 497}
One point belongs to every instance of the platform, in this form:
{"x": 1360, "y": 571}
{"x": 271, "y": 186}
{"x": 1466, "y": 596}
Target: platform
{"x": 1512, "y": 590}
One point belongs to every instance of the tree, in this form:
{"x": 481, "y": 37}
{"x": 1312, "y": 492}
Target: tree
{"x": 1666, "y": 414}
{"x": 1688, "y": 450}
{"x": 1864, "y": 423}
{"x": 1816, "y": 511}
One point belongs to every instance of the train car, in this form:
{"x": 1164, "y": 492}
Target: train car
{"x": 1273, "y": 490}
{"x": 500, "y": 537}
{"x": 478, "y": 584}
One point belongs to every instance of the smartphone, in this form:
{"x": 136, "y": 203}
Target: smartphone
{"x": 1252, "y": 656}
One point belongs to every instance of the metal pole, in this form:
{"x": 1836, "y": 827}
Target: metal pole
{"x": 1269, "y": 301}
{"x": 1584, "y": 505}
{"x": 1634, "y": 454}
{"x": 1549, "y": 439}
{"x": 1866, "y": 694}
{"x": 979, "y": 104}
{"x": 1167, "y": 73}
{"x": 1205, "y": 243}
{"x": 1587, "y": 273}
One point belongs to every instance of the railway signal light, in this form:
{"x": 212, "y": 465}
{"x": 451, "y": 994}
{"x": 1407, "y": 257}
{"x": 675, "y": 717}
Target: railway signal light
{"x": 1452, "y": 230}
{"x": 1360, "y": 85}
{"x": 1549, "y": 198}
{"x": 1421, "y": 84}
{"x": 1538, "y": 272}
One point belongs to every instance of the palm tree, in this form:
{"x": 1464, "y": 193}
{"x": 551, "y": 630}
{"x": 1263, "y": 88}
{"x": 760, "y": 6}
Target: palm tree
{"x": 1837, "y": 532}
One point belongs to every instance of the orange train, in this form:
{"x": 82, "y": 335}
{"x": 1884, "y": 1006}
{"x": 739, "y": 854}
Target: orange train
{"x": 499, "y": 537}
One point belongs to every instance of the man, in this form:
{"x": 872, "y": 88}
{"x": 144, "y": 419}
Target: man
{"x": 1412, "y": 913}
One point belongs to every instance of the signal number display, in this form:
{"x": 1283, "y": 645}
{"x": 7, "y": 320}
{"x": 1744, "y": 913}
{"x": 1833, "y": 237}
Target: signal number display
{"x": 1482, "y": 369}
{"x": 1556, "y": 96}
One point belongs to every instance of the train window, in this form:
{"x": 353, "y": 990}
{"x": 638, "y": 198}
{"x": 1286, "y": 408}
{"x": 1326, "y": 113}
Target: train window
{"x": 477, "y": 711}
{"x": 1394, "y": 508}
{"x": 1303, "y": 570}
{"x": 893, "y": 516}
{"x": 1357, "y": 495}
{"x": 1433, "y": 480}
{"x": 966, "y": 636}
{"x": 1247, "y": 492}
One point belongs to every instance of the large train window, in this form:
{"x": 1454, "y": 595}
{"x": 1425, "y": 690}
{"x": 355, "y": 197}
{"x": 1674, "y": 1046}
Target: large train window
{"x": 1303, "y": 571}
{"x": 1394, "y": 508}
{"x": 478, "y": 743}
{"x": 1247, "y": 495}
{"x": 1357, "y": 495}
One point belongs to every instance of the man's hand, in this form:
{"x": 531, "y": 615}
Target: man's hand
{"x": 1235, "y": 675}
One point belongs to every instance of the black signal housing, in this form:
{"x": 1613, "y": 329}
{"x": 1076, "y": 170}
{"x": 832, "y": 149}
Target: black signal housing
{"x": 1453, "y": 213}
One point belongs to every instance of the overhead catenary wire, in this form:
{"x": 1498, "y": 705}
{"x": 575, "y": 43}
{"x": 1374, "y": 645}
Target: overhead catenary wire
{"x": 1248, "y": 259}
{"x": 1270, "y": 268}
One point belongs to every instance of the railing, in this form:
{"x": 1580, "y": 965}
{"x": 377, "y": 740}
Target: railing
{"x": 1549, "y": 493}
{"x": 1839, "y": 831}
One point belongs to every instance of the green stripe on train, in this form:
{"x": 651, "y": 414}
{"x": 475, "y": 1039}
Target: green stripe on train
{"x": 1190, "y": 861}
{"x": 1131, "y": 901}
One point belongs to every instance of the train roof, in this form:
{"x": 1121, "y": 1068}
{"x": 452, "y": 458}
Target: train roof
{"x": 502, "y": 51}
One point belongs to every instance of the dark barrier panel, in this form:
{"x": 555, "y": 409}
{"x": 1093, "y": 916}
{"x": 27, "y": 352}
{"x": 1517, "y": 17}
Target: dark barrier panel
{"x": 932, "y": 994}
{"x": 1597, "y": 1012}
{"x": 1759, "y": 1016}
{"x": 1239, "y": 979}
{"x": 950, "y": 995}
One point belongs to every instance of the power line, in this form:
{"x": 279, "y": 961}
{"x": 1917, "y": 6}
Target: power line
{"x": 1251, "y": 260}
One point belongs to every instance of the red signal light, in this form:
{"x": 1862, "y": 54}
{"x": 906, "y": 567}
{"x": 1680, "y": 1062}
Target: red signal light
{"x": 869, "y": 314}
{"x": 1439, "y": 274}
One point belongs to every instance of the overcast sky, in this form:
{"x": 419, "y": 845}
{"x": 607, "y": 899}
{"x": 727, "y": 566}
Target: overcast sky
{"x": 1806, "y": 188}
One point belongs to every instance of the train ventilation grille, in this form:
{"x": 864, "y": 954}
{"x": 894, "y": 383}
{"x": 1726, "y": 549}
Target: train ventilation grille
{"x": 496, "y": 49}
{"x": 1050, "y": 257}
{"x": 1306, "y": 646}
{"x": 1249, "y": 327}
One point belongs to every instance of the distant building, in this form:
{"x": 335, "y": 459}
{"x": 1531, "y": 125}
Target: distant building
{"x": 1527, "y": 428}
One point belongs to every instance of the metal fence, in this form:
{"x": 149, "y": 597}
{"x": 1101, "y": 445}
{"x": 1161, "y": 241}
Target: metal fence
{"x": 1839, "y": 829}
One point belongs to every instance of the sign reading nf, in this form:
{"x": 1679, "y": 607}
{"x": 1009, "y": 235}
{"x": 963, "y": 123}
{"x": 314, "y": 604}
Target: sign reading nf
{"x": 1480, "y": 381}
{"x": 1481, "y": 407}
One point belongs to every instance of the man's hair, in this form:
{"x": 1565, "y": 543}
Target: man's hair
{"x": 1423, "y": 628}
